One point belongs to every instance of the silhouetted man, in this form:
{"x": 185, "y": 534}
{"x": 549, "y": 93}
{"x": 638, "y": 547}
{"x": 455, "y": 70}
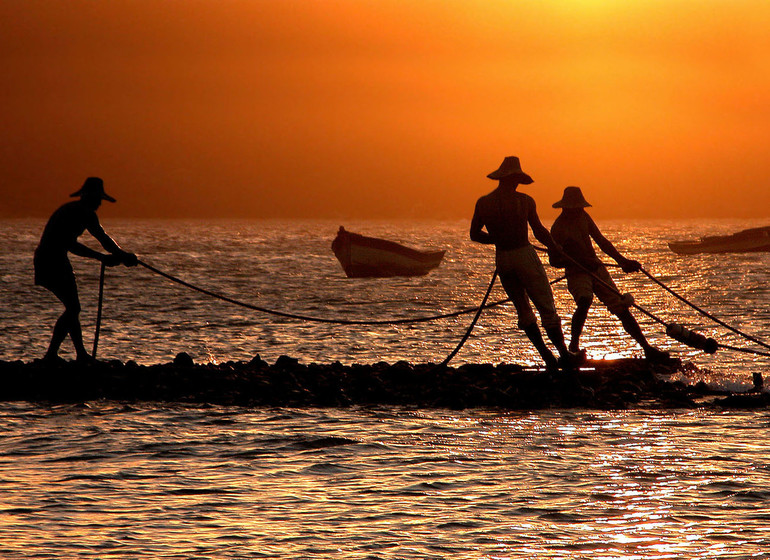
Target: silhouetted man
{"x": 52, "y": 266}
{"x": 507, "y": 214}
{"x": 586, "y": 275}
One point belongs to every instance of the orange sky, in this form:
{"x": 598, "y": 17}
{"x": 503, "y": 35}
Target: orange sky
{"x": 383, "y": 108}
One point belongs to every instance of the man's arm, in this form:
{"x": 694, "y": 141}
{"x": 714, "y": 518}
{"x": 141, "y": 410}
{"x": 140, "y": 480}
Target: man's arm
{"x": 477, "y": 232}
{"x": 83, "y": 251}
{"x": 606, "y": 245}
{"x": 106, "y": 241}
{"x": 538, "y": 229}
{"x": 95, "y": 229}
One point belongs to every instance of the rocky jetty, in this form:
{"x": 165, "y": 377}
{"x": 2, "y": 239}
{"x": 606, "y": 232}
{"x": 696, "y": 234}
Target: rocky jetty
{"x": 608, "y": 385}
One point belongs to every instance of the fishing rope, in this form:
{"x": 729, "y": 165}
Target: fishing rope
{"x": 609, "y": 286}
{"x": 473, "y": 323}
{"x": 318, "y": 319}
{"x": 662, "y": 322}
{"x": 478, "y": 310}
{"x": 704, "y": 312}
{"x": 746, "y": 350}
{"x": 99, "y": 311}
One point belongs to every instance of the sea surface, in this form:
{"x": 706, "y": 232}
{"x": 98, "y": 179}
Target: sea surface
{"x": 159, "y": 480}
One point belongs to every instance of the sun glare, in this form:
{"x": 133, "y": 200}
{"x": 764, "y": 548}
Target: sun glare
{"x": 384, "y": 95}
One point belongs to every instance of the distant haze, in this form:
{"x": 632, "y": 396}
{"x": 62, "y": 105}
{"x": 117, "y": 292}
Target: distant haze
{"x": 387, "y": 108}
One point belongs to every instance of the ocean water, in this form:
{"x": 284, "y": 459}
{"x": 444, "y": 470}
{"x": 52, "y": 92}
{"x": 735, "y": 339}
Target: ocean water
{"x": 289, "y": 266}
{"x": 119, "y": 480}
{"x": 155, "y": 481}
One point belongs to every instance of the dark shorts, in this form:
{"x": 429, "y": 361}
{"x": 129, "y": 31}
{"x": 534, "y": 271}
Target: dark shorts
{"x": 583, "y": 285}
{"x": 524, "y": 279}
{"x": 55, "y": 273}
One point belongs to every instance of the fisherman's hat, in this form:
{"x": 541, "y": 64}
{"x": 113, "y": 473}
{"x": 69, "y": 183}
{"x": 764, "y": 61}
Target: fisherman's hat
{"x": 511, "y": 166}
{"x": 572, "y": 198}
{"x": 93, "y": 186}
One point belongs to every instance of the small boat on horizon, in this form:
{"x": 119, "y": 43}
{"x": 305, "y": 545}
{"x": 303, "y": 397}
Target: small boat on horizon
{"x": 371, "y": 257}
{"x": 747, "y": 241}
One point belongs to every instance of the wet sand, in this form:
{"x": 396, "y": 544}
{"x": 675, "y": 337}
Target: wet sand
{"x": 606, "y": 385}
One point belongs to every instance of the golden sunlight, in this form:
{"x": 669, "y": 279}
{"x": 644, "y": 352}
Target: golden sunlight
{"x": 316, "y": 110}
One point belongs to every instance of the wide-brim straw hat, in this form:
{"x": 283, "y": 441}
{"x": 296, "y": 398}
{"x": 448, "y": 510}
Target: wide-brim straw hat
{"x": 93, "y": 186}
{"x": 572, "y": 198}
{"x": 509, "y": 167}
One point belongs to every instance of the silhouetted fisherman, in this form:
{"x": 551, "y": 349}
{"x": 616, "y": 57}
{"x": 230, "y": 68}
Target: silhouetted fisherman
{"x": 52, "y": 266}
{"x": 573, "y": 230}
{"x": 507, "y": 214}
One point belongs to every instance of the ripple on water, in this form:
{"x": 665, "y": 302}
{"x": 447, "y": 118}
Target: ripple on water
{"x": 104, "y": 481}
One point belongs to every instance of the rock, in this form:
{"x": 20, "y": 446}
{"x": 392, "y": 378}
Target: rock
{"x": 183, "y": 359}
{"x": 286, "y": 362}
{"x": 257, "y": 362}
{"x": 744, "y": 401}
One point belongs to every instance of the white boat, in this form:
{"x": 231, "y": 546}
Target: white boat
{"x": 370, "y": 257}
{"x": 746, "y": 241}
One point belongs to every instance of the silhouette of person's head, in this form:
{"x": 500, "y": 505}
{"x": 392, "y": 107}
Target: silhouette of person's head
{"x": 510, "y": 173}
{"x": 92, "y": 193}
{"x": 572, "y": 201}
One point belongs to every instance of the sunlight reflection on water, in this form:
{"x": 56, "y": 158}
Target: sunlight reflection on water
{"x": 110, "y": 480}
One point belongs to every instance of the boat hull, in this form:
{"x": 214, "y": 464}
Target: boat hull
{"x": 370, "y": 257}
{"x": 748, "y": 241}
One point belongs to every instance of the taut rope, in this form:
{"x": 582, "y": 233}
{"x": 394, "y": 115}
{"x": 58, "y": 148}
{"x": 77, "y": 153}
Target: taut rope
{"x": 704, "y": 312}
{"x": 669, "y": 326}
